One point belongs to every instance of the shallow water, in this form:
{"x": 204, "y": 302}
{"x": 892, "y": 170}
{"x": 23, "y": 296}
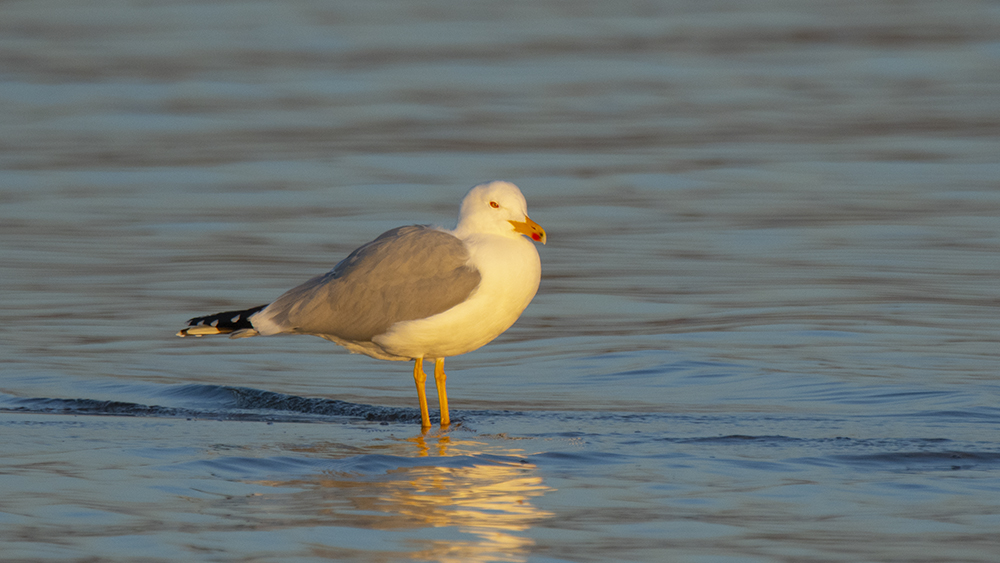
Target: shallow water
{"x": 766, "y": 331}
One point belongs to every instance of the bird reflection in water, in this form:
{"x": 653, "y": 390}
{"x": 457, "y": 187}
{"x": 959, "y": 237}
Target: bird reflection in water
{"x": 486, "y": 496}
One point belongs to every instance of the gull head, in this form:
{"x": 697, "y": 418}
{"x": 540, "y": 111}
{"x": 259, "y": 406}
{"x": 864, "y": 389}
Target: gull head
{"x": 497, "y": 208}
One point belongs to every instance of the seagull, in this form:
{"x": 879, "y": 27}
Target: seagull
{"x": 414, "y": 293}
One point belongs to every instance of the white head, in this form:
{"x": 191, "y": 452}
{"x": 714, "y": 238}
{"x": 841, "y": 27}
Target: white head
{"x": 497, "y": 208}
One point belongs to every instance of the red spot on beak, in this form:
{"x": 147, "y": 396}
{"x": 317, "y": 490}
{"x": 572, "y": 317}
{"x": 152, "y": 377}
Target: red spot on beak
{"x": 536, "y": 236}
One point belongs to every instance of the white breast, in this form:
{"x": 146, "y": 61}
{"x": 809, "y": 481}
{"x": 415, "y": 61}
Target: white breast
{"x": 510, "y": 271}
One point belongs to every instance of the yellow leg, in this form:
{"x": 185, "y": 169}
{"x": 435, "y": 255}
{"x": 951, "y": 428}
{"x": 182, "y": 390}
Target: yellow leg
{"x": 439, "y": 379}
{"x": 420, "y": 378}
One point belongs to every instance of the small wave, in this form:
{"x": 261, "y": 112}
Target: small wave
{"x": 989, "y": 415}
{"x": 267, "y": 401}
{"x": 217, "y": 402}
{"x": 91, "y": 407}
{"x": 924, "y": 461}
{"x": 741, "y": 439}
{"x": 365, "y": 464}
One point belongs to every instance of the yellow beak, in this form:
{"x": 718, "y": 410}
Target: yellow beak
{"x": 529, "y": 228}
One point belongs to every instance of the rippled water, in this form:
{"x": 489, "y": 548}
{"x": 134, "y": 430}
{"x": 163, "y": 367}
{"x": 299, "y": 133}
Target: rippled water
{"x": 766, "y": 331}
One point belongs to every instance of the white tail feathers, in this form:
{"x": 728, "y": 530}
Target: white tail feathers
{"x": 199, "y": 331}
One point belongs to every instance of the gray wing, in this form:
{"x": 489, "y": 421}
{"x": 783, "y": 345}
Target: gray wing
{"x": 405, "y": 274}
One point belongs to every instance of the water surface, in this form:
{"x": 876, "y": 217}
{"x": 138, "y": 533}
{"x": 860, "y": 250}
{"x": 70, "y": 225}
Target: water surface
{"x": 766, "y": 331}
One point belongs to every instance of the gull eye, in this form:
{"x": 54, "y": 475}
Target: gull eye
{"x": 494, "y": 205}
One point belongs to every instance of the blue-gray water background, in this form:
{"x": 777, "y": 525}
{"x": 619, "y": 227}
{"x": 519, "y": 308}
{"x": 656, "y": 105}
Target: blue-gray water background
{"x": 767, "y": 328}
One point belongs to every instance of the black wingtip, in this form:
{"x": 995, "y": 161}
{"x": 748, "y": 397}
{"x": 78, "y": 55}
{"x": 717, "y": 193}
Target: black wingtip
{"x": 220, "y": 323}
